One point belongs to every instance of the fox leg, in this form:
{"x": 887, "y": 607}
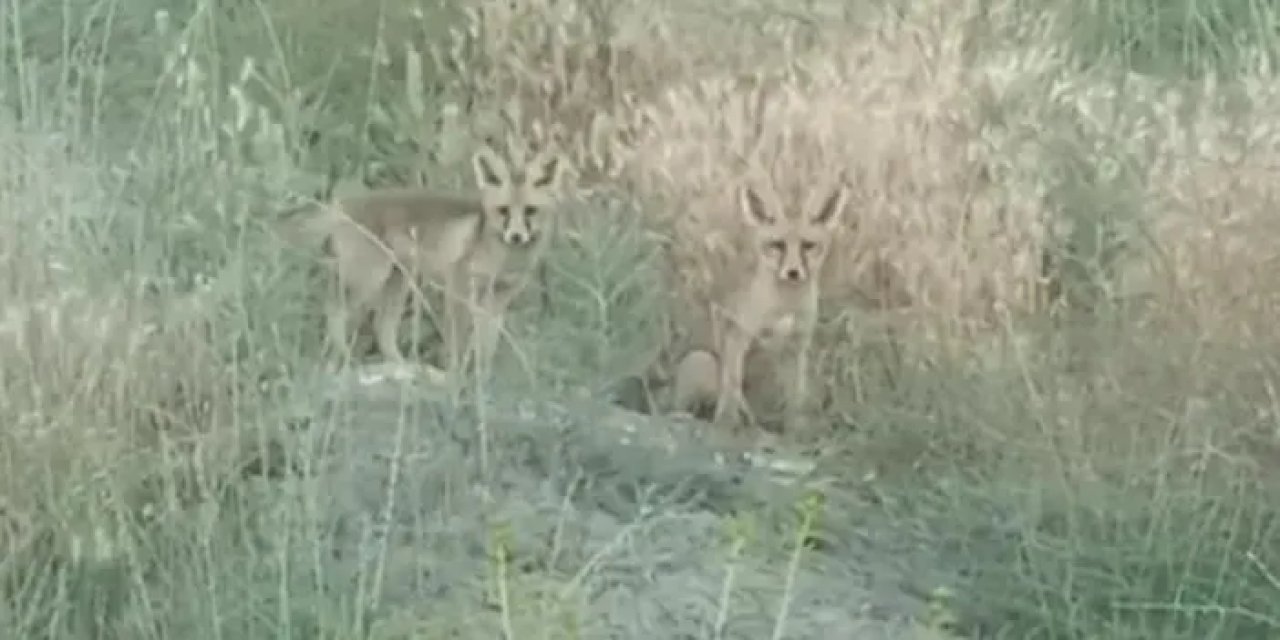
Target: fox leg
{"x": 730, "y": 403}
{"x": 490, "y": 305}
{"x": 455, "y": 326}
{"x": 796, "y": 386}
{"x": 388, "y": 313}
{"x": 350, "y": 301}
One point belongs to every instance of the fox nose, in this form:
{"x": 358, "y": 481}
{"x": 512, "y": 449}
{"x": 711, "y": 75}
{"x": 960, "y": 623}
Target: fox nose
{"x": 793, "y": 274}
{"x": 517, "y": 238}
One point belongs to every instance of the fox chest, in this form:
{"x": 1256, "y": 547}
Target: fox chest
{"x": 772, "y": 318}
{"x": 777, "y": 328}
{"x": 769, "y": 328}
{"x": 500, "y": 266}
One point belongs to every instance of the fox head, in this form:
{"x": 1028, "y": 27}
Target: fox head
{"x": 792, "y": 247}
{"x": 515, "y": 197}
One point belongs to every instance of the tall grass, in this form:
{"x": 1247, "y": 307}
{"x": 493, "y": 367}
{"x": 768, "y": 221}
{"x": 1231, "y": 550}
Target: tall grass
{"x": 1175, "y": 37}
{"x": 1048, "y": 345}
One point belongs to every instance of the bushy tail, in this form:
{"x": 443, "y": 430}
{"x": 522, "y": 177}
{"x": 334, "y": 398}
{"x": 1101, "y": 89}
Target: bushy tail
{"x": 687, "y": 385}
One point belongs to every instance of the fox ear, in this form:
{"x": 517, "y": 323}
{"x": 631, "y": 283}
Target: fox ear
{"x": 832, "y": 207}
{"x": 491, "y": 170}
{"x": 546, "y": 170}
{"x": 754, "y": 210}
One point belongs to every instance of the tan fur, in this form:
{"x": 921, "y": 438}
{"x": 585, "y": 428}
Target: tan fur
{"x": 770, "y": 304}
{"x": 480, "y": 251}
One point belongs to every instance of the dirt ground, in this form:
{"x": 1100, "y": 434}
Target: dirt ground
{"x": 619, "y": 520}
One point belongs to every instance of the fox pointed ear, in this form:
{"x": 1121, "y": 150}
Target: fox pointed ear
{"x": 829, "y": 212}
{"x": 754, "y": 210}
{"x": 546, "y": 170}
{"x": 491, "y": 170}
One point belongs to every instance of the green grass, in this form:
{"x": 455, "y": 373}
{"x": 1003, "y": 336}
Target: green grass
{"x": 1165, "y": 37}
{"x": 1183, "y": 37}
{"x": 1089, "y": 477}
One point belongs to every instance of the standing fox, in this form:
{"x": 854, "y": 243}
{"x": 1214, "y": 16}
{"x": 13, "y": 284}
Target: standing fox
{"x": 773, "y": 304}
{"x": 480, "y": 250}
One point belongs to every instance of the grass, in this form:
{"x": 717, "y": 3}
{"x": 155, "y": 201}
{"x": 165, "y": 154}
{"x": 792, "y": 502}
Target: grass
{"x": 1048, "y": 347}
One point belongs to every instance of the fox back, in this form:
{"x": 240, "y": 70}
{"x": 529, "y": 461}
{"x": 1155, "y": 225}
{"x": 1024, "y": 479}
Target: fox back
{"x": 432, "y": 230}
{"x": 437, "y": 230}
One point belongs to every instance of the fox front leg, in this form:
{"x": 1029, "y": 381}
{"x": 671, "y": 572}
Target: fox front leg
{"x": 797, "y": 387}
{"x": 730, "y": 403}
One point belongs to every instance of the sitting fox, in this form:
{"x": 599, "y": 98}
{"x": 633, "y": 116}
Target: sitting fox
{"x": 768, "y": 304}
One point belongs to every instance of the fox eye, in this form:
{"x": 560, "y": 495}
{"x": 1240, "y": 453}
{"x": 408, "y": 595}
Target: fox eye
{"x": 808, "y": 245}
{"x": 776, "y": 246}
{"x": 504, "y": 211}
{"x": 529, "y": 212}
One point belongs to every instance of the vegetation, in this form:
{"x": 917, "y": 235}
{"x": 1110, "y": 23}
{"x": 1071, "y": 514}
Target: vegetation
{"x": 1049, "y": 345}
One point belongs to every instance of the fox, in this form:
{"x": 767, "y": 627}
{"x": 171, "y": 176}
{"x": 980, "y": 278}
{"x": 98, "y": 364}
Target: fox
{"x": 770, "y": 304}
{"x": 480, "y": 250}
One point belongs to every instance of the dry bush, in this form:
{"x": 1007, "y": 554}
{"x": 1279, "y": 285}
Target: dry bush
{"x": 975, "y": 163}
{"x": 897, "y": 106}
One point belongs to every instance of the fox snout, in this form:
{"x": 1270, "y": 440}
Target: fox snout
{"x": 517, "y": 237}
{"x": 790, "y": 258}
{"x": 792, "y": 268}
{"x": 517, "y": 226}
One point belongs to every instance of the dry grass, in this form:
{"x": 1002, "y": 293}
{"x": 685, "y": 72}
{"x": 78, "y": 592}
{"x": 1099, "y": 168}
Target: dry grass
{"x": 116, "y": 404}
{"x": 1049, "y": 319}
